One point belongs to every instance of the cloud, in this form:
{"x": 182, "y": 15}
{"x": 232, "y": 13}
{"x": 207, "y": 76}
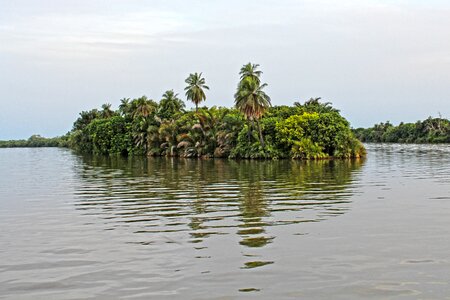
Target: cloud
{"x": 55, "y": 35}
{"x": 60, "y": 57}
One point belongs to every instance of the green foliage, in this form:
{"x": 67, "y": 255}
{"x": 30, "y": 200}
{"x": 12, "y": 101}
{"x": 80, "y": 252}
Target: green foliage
{"x": 431, "y": 130}
{"x": 85, "y": 118}
{"x": 169, "y": 106}
{"x": 248, "y": 148}
{"x": 81, "y": 141}
{"x": 318, "y": 135}
{"x": 36, "y": 141}
{"x": 142, "y": 127}
{"x": 283, "y": 111}
{"x": 307, "y": 149}
{"x": 109, "y": 136}
{"x": 211, "y": 135}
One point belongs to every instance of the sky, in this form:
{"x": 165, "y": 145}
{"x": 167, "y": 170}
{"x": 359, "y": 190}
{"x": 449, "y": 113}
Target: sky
{"x": 374, "y": 60}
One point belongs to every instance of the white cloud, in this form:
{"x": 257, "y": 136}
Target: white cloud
{"x": 88, "y": 32}
{"x": 390, "y": 55}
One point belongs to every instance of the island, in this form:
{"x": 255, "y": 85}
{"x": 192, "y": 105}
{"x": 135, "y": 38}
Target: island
{"x": 252, "y": 129}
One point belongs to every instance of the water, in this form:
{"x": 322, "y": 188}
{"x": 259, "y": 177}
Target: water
{"x": 74, "y": 227}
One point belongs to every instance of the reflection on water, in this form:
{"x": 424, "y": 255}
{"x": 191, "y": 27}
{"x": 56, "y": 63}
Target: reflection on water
{"x": 204, "y": 198}
{"x": 84, "y": 227}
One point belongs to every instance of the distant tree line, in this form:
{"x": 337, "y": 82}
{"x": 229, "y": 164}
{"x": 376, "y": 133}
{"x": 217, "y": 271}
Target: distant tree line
{"x": 431, "y": 130}
{"x": 36, "y": 141}
{"x": 253, "y": 128}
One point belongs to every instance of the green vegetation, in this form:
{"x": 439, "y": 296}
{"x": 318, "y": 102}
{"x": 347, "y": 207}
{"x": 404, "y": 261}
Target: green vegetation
{"x": 431, "y": 130}
{"x": 252, "y": 129}
{"x": 36, "y": 141}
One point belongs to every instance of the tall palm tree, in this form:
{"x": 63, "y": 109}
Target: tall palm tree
{"x": 250, "y": 70}
{"x": 252, "y": 101}
{"x": 194, "y": 89}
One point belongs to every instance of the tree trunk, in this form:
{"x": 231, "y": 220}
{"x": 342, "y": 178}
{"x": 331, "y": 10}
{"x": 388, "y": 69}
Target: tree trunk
{"x": 145, "y": 145}
{"x": 261, "y": 139}
{"x": 249, "y": 133}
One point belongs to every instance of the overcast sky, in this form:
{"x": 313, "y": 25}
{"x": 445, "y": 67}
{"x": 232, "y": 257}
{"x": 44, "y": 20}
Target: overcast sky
{"x": 374, "y": 60}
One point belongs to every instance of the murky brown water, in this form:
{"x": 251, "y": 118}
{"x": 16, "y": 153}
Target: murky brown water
{"x": 74, "y": 227}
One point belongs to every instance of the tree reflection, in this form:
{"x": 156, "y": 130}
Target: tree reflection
{"x": 204, "y": 198}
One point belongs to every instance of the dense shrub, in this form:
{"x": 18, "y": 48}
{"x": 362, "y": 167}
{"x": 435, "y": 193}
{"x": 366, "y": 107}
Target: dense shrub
{"x": 318, "y": 135}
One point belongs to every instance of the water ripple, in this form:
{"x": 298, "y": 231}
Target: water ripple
{"x": 84, "y": 226}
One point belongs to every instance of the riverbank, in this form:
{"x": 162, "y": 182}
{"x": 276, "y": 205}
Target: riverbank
{"x": 36, "y": 141}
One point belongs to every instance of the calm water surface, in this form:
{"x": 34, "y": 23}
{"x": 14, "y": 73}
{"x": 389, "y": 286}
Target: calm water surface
{"x": 75, "y": 227}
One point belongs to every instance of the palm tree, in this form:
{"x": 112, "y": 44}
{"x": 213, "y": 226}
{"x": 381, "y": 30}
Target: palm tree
{"x": 107, "y": 112}
{"x": 124, "y": 107}
{"x": 314, "y": 105}
{"x": 169, "y": 105}
{"x": 168, "y": 134}
{"x": 250, "y": 70}
{"x": 252, "y": 101}
{"x": 208, "y": 136}
{"x": 139, "y": 133}
{"x": 195, "y": 87}
{"x": 142, "y": 107}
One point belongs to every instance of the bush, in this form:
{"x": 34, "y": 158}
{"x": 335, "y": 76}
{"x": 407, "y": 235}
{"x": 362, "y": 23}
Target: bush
{"x": 318, "y": 135}
{"x": 109, "y": 136}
